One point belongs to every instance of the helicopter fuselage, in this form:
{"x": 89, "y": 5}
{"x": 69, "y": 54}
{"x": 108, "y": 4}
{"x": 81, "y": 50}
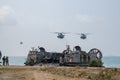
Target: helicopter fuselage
{"x": 83, "y": 36}
{"x": 60, "y": 36}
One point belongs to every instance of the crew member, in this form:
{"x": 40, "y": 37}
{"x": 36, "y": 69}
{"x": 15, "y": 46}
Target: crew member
{"x": 3, "y": 60}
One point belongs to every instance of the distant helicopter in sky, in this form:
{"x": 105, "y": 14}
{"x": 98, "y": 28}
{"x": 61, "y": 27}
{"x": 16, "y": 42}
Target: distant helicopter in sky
{"x": 21, "y": 42}
{"x": 83, "y": 35}
{"x": 60, "y": 35}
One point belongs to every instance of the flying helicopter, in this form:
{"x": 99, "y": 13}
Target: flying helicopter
{"x": 21, "y": 42}
{"x": 60, "y": 35}
{"x": 83, "y": 35}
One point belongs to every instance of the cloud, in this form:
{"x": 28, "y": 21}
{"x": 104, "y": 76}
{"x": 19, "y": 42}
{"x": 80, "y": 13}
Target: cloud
{"x": 88, "y": 19}
{"x": 7, "y": 16}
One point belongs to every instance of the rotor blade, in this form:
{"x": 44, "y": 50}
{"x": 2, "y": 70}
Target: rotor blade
{"x": 65, "y": 32}
{"x": 78, "y": 33}
{"x": 55, "y": 32}
{"x": 82, "y": 33}
{"x": 87, "y": 33}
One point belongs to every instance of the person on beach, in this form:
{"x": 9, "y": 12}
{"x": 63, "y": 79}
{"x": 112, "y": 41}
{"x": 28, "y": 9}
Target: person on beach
{"x": 3, "y": 59}
{"x": 7, "y": 61}
{"x": 0, "y": 55}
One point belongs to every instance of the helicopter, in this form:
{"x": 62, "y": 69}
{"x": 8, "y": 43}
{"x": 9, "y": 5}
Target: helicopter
{"x": 21, "y": 42}
{"x": 83, "y": 35}
{"x": 60, "y": 35}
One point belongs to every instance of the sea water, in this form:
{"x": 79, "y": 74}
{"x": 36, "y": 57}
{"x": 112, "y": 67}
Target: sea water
{"x": 111, "y": 61}
{"x": 17, "y": 60}
{"x": 108, "y": 61}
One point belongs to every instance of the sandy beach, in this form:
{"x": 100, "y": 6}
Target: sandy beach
{"x": 58, "y": 73}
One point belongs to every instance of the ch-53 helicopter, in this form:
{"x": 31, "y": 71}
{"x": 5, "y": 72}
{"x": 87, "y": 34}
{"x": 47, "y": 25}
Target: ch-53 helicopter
{"x": 60, "y": 35}
{"x": 21, "y": 42}
{"x": 83, "y": 35}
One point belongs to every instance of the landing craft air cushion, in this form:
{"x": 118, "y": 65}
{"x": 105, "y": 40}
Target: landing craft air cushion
{"x": 68, "y": 57}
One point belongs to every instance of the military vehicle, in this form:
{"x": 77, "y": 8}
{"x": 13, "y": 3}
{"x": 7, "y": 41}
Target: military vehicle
{"x": 36, "y": 57}
{"x": 60, "y": 35}
{"x": 68, "y": 57}
{"x": 79, "y": 57}
{"x": 83, "y": 35}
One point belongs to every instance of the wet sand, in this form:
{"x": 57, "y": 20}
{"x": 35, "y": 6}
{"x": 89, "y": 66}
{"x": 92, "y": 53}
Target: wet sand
{"x": 58, "y": 73}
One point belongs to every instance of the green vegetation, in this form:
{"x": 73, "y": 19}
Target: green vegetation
{"x": 95, "y": 63}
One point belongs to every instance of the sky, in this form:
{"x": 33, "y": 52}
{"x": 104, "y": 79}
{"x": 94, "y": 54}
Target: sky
{"x": 34, "y": 21}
